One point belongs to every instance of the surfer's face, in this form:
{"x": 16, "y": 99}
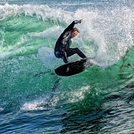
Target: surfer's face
{"x": 74, "y": 33}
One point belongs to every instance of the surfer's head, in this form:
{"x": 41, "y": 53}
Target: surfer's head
{"x": 74, "y": 32}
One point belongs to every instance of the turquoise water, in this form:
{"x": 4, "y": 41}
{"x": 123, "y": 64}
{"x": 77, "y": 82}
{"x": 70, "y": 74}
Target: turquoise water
{"x": 35, "y": 100}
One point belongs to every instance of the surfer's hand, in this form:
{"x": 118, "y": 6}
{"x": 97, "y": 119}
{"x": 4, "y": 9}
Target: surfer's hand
{"x": 77, "y": 21}
{"x": 80, "y": 20}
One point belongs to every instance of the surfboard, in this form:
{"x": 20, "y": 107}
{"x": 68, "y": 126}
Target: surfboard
{"x": 74, "y": 67}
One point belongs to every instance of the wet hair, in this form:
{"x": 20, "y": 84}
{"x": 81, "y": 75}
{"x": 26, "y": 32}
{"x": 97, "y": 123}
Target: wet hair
{"x": 75, "y": 29}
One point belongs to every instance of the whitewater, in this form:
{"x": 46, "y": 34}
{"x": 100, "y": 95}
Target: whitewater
{"x": 33, "y": 99}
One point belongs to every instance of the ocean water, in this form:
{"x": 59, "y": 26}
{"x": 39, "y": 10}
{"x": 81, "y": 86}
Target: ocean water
{"x": 34, "y": 100}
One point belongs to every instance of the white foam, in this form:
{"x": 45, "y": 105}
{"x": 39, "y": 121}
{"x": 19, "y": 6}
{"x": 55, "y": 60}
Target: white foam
{"x": 29, "y": 106}
{"x": 43, "y": 103}
{"x": 78, "y": 94}
{"x": 48, "y": 33}
{"x": 110, "y": 30}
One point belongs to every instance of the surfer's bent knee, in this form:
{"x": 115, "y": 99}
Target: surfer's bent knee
{"x": 58, "y": 54}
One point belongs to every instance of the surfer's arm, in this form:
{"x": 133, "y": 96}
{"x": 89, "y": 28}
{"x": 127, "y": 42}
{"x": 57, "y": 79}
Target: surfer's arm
{"x": 71, "y": 26}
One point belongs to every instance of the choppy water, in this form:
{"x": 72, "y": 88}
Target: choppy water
{"x": 33, "y": 99}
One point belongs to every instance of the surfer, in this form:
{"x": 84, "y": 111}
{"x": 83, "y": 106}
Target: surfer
{"x": 62, "y": 48}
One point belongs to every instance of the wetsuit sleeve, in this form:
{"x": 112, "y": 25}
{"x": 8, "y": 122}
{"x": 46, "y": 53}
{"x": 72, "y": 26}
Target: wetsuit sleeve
{"x": 71, "y": 26}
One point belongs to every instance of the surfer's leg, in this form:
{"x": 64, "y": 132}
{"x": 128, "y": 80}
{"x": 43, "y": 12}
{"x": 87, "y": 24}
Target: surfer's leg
{"x": 72, "y": 51}
{"x": 61, "y": 54}
{"x": 64, "y": 57}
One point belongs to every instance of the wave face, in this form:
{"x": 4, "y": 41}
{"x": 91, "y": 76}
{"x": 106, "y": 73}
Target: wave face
{"x": 34, "y": 99}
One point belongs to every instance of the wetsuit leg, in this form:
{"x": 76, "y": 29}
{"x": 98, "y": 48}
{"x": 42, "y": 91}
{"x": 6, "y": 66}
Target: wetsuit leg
{"x": 61, "y": 54}
{"x": 72, "y": 51}
{"x": 64, "y": 57}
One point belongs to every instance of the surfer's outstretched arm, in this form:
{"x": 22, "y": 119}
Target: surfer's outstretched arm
{"x": 71, "y": 26}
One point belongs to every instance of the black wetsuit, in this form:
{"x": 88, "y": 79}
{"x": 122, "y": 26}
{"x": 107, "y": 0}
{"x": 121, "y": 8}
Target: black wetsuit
{"x": 62, "y": 48}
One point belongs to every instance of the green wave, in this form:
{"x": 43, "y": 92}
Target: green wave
{"x": 25, "y": 76}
